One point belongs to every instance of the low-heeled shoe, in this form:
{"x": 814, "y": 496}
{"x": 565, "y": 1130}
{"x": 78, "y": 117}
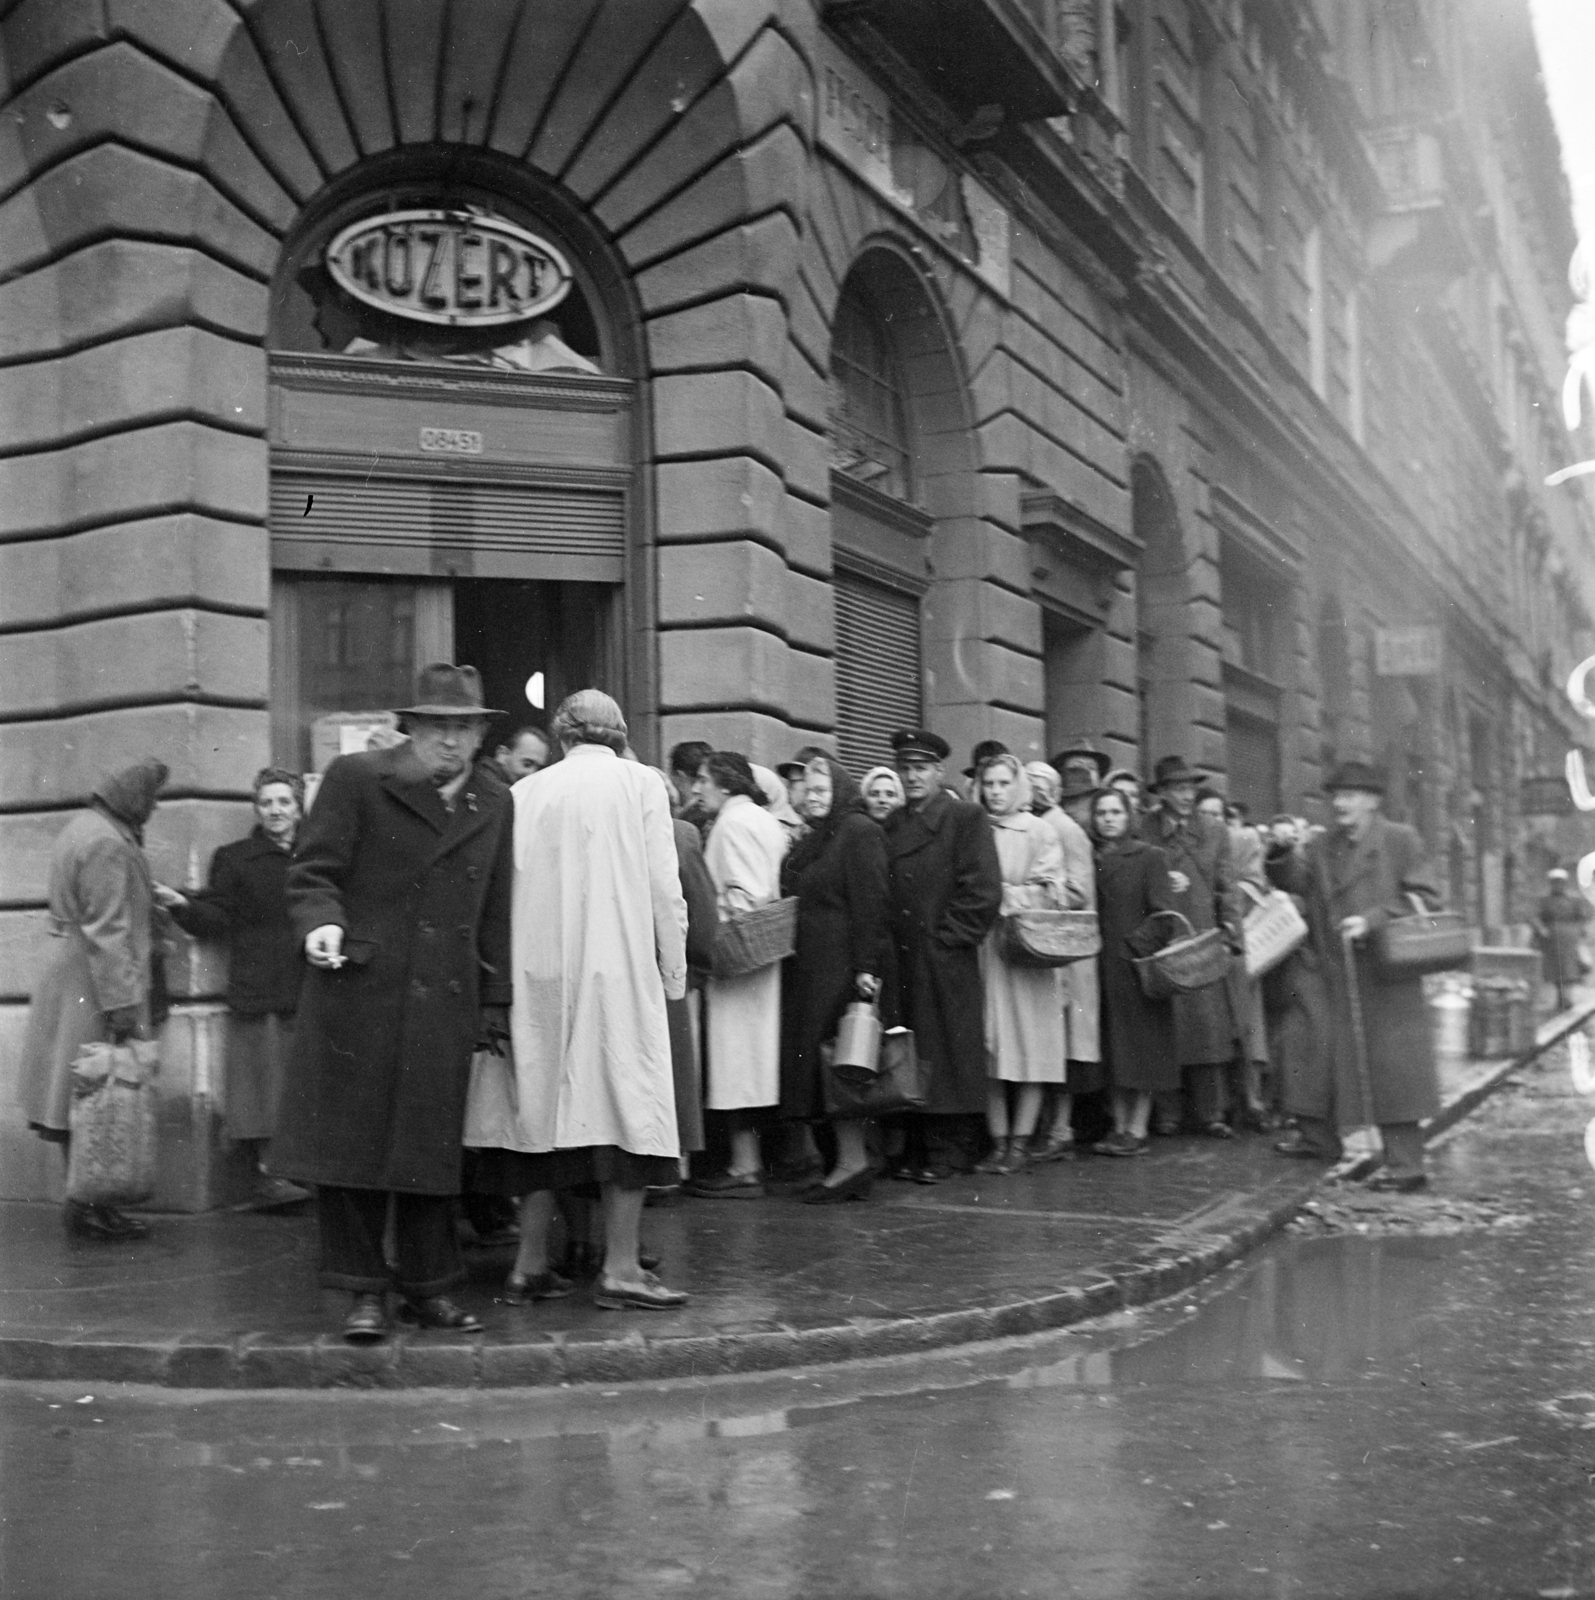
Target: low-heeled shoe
{"x": 520, "y": 1288}
{"x": 728, "y": 1186}
{"x": 835, "y": 1194}
{"x": 649, "y": 1295}
{"x": 438, "y": 1311}
{"x": 367, "y": 1322}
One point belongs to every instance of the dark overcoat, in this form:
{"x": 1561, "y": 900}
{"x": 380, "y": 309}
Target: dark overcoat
{"x": 1138, "y": 1047}
{"x": 244, "y": 905}
{"x": 1204, "y": 1023}
{"x": 1296, "y": 1009}
{"x": 843, "y": 928}
{"x": 697, "y": 889}
{"x": 375, "y": 1090}
{"x": 1560, "y": 927}
{"x": 946, "y": 890}
{"x": 1340, "y": 877}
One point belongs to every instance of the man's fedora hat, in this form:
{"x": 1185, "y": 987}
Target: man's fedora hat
{"x": 911, "y": 743}
{"x": 445, "y": 690}
{"x": 1085, "y": 753}
{"x": 1076, "y": 786}
{"x": 982, "y": 753}
{"x": 1356, "y": 775}
{"x": 1173, "y": 769}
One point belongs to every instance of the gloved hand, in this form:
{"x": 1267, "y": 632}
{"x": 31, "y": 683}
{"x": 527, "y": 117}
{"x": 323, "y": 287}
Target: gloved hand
{"x": 121, "y": 1023}
{"x": 493, "y": 1030}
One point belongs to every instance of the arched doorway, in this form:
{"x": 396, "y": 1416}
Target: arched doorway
{"x": 1165, "y": 654}
{"x": 451, "y": 449}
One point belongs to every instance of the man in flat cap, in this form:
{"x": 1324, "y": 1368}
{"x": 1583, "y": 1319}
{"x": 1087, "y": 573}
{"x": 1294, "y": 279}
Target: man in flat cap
{"x": 946, "y": 890}
{"x": 1354, "y": 879}
{"x": 400, "y": 894}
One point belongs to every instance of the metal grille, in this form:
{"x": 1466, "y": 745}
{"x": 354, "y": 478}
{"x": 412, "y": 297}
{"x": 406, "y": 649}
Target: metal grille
{"x": 425, "y": 516}
{"x": 878, "y": 677}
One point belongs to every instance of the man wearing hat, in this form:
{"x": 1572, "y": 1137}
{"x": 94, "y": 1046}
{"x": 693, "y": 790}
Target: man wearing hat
{"x": 1200, "y": 868}
{"x": 1082, "y": 759}
{"x": 946, "y": 890}
{"x": 1354, "y": 879}
{"x": 400, "y": 894}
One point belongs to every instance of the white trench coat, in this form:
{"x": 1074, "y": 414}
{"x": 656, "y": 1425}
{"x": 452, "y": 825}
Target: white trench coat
{"x": 743, "y": 855}
{"x": 598, "y": 939}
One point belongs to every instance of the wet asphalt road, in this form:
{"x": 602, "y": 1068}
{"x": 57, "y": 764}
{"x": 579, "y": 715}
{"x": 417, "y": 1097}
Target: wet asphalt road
{"x": 1384, "y": 1414}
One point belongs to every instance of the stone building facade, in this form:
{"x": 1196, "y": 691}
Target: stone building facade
{"x": 1173, "y": 373}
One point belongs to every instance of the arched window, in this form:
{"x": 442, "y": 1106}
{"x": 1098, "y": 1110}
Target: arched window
{"x": 869, "y": 434}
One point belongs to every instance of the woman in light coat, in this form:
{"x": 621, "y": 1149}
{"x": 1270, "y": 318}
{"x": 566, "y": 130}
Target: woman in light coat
{"x": 598, "y": 944}
{"x": 1024, "y": 1005}
{"x": 97, "y": 981}
{"x": 743, "y": 854}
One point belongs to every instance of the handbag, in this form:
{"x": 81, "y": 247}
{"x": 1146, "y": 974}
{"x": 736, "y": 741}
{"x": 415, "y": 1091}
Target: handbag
{"x": 111, "y": 1161}
{"x": 898, "y": 1083}
{"x": 1426, "y": 941}
{"x": 1044, "y": 938}
{"x": 1193, "y": 961}
{"x": 753, "y": 940}
{"x": 1273, "y": 929}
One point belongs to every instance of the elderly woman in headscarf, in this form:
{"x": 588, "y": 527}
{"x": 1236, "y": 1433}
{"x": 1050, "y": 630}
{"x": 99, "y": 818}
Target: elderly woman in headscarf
{"x": 1025, "y": 1040}
{"x": 837, "y": 871}
{"x": 99, "y": 982}
{"x": 743, "y": 854}
{"x": 883, "y": 794}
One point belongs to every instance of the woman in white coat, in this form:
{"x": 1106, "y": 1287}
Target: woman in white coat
{"x": 598, "y": 943}
{"x": 1025, "y": 1038}
{"x": 743, "y": 855}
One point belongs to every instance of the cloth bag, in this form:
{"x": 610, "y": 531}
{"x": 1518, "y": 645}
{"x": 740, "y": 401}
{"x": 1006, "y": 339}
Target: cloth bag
{"x": 897, "y": 1084}
{"x": 112, "y": 1157}
{"x": 492, "y": 1104}
{"x": 1271, "y": 929}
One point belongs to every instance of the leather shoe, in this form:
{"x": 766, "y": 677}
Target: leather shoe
{"x": 649, "y": 1295}
{"x": 728, "y": 1186}
{"x": 835, "y": 1194}
{"x": 367, "y": 1322}
{"x": 1389, "y": 1183}
{"x": 521, "y": 1287}
{"x": 1219, "y": 1130}
{"x": 438, "y": 1311}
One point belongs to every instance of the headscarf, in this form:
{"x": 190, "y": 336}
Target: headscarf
{"x": 1021, "y": 786}
{"x": 776, "y": 800}
{"x": 1044, "y": 781}
{"x": 846, "y": 798}
{"x": 884, "y": 772}
{"x": 129, "y": 795}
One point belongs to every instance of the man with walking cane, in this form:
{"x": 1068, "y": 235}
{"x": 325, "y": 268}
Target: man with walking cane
{"x": 1378, "y": 1065}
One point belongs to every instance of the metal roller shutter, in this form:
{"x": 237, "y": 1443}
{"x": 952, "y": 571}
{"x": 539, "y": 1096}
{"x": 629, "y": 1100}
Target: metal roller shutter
{"x": 1252, "y": 757}
{"x": 878, "y": 675}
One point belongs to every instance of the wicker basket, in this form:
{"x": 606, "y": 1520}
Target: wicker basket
{"x": 1427, "y": 941}
{"x": 1272, "y": 929}
{"x": 1193, "y": 961}
{"x": 755, "y": 939}
{"x": 1048, "y": 938}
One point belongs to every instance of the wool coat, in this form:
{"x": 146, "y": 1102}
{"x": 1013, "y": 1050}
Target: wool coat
{"x": 1204, "y": 1021}
{"x": 374, "y": 1096}
{"x": 1246, "y": 994}
{"x": 1138, "y": 1033}
{"x": 600, "y": 930}
{"x": 1296, "y": 1010}
{"x": 946, "y": 888}
{"x": 1337, "y": 878}
{"x": 103, "y": 931}
{"x": 743, "y": 855}
{"x": 1082, "y": 996}
{"x": 685, "y": 1014}
{"x": 1560, "y": 925}
{"x": 843, "y": 929}
{"x": 244, "y": 905}
{"x": 1025, "y": 1033}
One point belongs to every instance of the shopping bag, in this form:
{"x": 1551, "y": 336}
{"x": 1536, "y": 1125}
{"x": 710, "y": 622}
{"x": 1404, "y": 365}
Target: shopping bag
{"x": 492, "y": 1104}
{"x": 111, "y": 1161}
{"x": 1272, "y": 929}
{"x": 899, "y": 1084}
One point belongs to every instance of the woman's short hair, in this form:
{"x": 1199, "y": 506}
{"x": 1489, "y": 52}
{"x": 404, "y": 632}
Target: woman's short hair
{"x": 732, "y": 773}
{"x": 270, "y": 775}
{"x": 1103, "y": 795}
{"x": 590, "y": 717}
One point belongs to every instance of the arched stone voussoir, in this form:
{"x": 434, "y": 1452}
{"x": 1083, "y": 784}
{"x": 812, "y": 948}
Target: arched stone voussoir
{"x": 287, "y": 36}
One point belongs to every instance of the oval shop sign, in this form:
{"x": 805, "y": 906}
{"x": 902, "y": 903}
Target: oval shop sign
{"x": 453, "y": 267}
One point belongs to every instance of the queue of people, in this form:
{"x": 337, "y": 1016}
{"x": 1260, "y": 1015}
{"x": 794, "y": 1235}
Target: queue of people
{"x": 501, "y": 966}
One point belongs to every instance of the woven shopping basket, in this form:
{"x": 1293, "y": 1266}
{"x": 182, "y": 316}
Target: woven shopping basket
{"x": 1193, "y": 961}
{"x": 1043, "y": 938}
{"x": 1272, "y": 930}
{"x": 111, "y": 1161}
{"x": 755, "y": 939}
{"x": 1427, "y": 941}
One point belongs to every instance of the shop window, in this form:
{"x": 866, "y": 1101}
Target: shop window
{"x": 1253, "y": 610}
{"x": 878, "y": 668}
{"x": 869, "y": 436}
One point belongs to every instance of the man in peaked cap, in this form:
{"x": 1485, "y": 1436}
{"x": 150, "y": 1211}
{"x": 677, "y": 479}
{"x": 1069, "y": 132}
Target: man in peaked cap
{"x": 946, "y": 890}
{"x": 1201, "y": 870}
{"x": 400, "y": 894}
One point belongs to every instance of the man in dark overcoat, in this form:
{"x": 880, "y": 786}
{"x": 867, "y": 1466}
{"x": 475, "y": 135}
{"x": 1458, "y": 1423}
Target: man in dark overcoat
{"x": 400, "y": 893}
{"x": 1354, "y": 879}
{"x": 1205, "y": 892}
{"x": 946, "y": 890}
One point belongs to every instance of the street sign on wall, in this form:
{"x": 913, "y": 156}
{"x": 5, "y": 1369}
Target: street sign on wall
{"x": 1412, "y": 652}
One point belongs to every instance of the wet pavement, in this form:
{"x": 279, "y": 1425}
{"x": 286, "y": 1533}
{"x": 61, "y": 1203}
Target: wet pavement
{"x": 1404, "y": 1412}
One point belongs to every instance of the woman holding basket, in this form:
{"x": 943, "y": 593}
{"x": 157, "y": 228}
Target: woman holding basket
{"x": 837, "y": 872}
{"x": 1025, "y": 1036}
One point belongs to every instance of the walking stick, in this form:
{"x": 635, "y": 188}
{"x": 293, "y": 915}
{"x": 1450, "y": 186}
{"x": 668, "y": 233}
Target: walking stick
{"x": 1359, "y": 1038}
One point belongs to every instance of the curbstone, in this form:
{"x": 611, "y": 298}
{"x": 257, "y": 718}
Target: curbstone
{"x": 339, "y": 1365}
{"x": 274, "y": 1361}
{"x": 538, "y": 1364}
{"x": 196, "y": 1362}
{"x": 424, "y": 1363}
